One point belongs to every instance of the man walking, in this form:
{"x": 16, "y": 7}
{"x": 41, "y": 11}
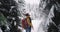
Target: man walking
{"x": 28, "y": 23}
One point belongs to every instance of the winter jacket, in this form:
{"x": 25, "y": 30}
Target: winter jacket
{"x": 29, "y": 21}
{"x": 26, "y": 22}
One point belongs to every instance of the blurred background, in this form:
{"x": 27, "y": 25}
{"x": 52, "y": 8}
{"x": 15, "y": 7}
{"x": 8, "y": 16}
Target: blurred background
{"x": 44, "y": 12}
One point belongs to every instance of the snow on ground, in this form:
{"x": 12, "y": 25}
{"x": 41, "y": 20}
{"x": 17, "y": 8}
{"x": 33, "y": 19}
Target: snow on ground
{"x": 0, "y": 30}
{"x": 35, "y": 25}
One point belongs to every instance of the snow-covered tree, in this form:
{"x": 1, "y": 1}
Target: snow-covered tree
{"x": 8, "y": 9}
{"x": 45, "y": 6}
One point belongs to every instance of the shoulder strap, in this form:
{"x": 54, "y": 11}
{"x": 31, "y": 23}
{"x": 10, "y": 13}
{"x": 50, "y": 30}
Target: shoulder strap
{"x": 30, "y": 19}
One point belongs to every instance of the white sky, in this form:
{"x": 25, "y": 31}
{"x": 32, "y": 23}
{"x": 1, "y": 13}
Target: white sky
{"x": 16, "y": 0}
{"x": 32, "y": 1}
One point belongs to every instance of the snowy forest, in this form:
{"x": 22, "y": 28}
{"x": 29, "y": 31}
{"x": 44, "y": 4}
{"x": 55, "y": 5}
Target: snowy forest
{"x": 45, "y": 15}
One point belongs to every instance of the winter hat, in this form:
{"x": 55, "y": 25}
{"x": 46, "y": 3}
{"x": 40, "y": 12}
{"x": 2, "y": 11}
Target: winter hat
{"x": 27, "y": 14}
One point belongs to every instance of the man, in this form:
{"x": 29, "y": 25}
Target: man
{"x": 28, "y": 23}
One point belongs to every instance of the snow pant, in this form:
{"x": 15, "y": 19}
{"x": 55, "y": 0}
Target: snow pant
{"x": 28, "y": 29}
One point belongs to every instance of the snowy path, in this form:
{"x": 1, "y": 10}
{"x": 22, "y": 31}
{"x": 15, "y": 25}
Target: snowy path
{"x": 35, "y": 25}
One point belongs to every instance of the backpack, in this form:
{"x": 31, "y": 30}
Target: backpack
{"x": 24, "y": 23}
